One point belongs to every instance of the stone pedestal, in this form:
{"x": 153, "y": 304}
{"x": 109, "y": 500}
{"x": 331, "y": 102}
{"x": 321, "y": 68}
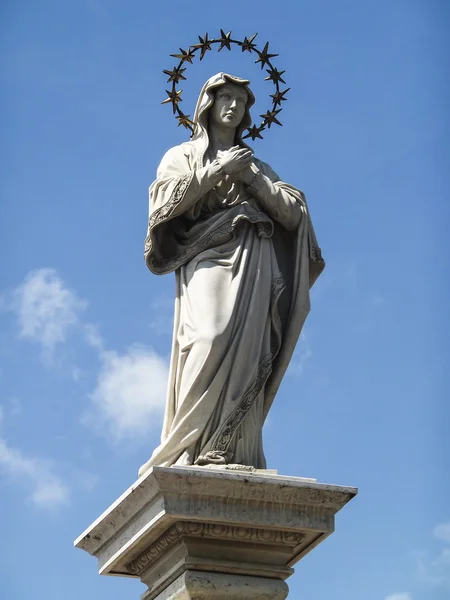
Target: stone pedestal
{"x": 207, "y": 534}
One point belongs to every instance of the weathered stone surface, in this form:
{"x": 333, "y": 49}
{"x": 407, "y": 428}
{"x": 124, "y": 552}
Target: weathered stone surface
{"x": 177, "y": 522}
{"x": 198, "y": 585}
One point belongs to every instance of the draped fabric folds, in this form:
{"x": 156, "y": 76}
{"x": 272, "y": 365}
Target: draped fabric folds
{"x": 242, "y": 296}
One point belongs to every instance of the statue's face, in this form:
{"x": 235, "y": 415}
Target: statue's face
{"x": 229, "y": 105}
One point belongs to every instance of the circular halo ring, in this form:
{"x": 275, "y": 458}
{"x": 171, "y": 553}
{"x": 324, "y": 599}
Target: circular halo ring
{"x": 264, "y": 58}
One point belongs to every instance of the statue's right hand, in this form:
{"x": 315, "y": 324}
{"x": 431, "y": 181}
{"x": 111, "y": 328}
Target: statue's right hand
{"x": 235, "y": 159}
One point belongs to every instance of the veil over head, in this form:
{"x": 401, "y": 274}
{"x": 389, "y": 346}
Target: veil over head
{"x": 206, "y": 100}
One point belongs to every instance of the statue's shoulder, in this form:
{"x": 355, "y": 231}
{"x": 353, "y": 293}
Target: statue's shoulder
{"x": 176, "y": 152}
{"x": 177, "y": 157}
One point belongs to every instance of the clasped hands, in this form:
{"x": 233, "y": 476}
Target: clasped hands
{"x": 238, "y": 162}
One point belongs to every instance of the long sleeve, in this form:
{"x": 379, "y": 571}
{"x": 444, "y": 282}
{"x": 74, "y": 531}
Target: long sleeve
{"x": 202, "y": 181}
{"x": 178, "y": 186}
{"x": 281, "y": 201}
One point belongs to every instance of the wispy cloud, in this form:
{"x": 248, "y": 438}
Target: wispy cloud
{"x": 46, "y": 310}
{"x": 161, "y": 322}
{"x": 47, "y": 490}
{"x": 76, "y": 373}
{"x": 131, "y": 386}
{"x": 11, "y": 407}
{"x": 339, "y": 278}
{"x": 399, "y": 596}
{"x": 435, "y": 570}
{"x": 161, "y": 325}
{"x": 130, "y": 393}
{"x": 442, "y": 532}
{"x": 92, "y": 337}
{"x": 302, "y": 354}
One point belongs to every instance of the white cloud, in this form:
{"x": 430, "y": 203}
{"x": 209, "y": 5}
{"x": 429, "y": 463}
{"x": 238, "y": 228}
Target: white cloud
{"x": 47, "y": 489}
{"x": 130, "y": 393}
{"x": 92, "y": 337}
{"x": 401, "y": 596}
{"x": 46, "y": 309}
{"x": 50, "y": 493}
{"x": 435, "y": 571}
{"x": 131, "y": 387}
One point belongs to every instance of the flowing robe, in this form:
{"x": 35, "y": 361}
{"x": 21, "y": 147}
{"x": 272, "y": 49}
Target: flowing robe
{"x": 243, "y": 275}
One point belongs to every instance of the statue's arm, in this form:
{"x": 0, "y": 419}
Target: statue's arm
{"x": 282, "y": 202}
{"x": 175, "y": 172}
{"x": 204, "y": 180}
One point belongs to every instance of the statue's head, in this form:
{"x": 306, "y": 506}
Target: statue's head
{"x": 224, "y": 100}
{"x": 228, "y": 110}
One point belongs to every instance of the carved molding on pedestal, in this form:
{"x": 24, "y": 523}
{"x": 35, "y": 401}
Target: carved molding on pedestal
{"x": 211, "y": 531}
{"x": 207, "y": 534}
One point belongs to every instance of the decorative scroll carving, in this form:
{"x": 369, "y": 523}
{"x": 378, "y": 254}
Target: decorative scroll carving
{"x": 228, "y": 429}
{"x": 211, "y": 531}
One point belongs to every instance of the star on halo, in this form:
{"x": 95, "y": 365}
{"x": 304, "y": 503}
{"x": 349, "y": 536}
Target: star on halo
{"x": 275, "y": 75}
{"x": 278, "y": 97}
{"x": 185, "y": 121}
{"x": 254, "y": 132}
{"x": 264, "y": 56}
{"x": 225, "y": 41}
{"x": 186, "y": 55}
{"x": 174, "y": 97}
{"x": 205, "y": 45}
{"x": 247, "y": 44}
{"x": 175, "y": 75}
{"x": 271, "y": 117}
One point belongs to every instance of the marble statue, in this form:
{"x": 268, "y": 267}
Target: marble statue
{"x": 244, "y": 252}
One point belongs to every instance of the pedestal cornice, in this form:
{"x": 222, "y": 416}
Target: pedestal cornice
{"x": 180, "y": 520}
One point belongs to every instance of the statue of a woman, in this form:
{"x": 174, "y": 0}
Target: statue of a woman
{"x": 245, "y": 255}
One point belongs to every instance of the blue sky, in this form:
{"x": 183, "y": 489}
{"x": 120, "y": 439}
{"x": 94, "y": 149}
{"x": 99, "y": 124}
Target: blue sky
{"x": 85, "y": 328}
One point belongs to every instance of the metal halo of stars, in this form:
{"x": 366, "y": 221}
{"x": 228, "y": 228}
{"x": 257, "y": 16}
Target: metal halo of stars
{"x": 225, "y": 41}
